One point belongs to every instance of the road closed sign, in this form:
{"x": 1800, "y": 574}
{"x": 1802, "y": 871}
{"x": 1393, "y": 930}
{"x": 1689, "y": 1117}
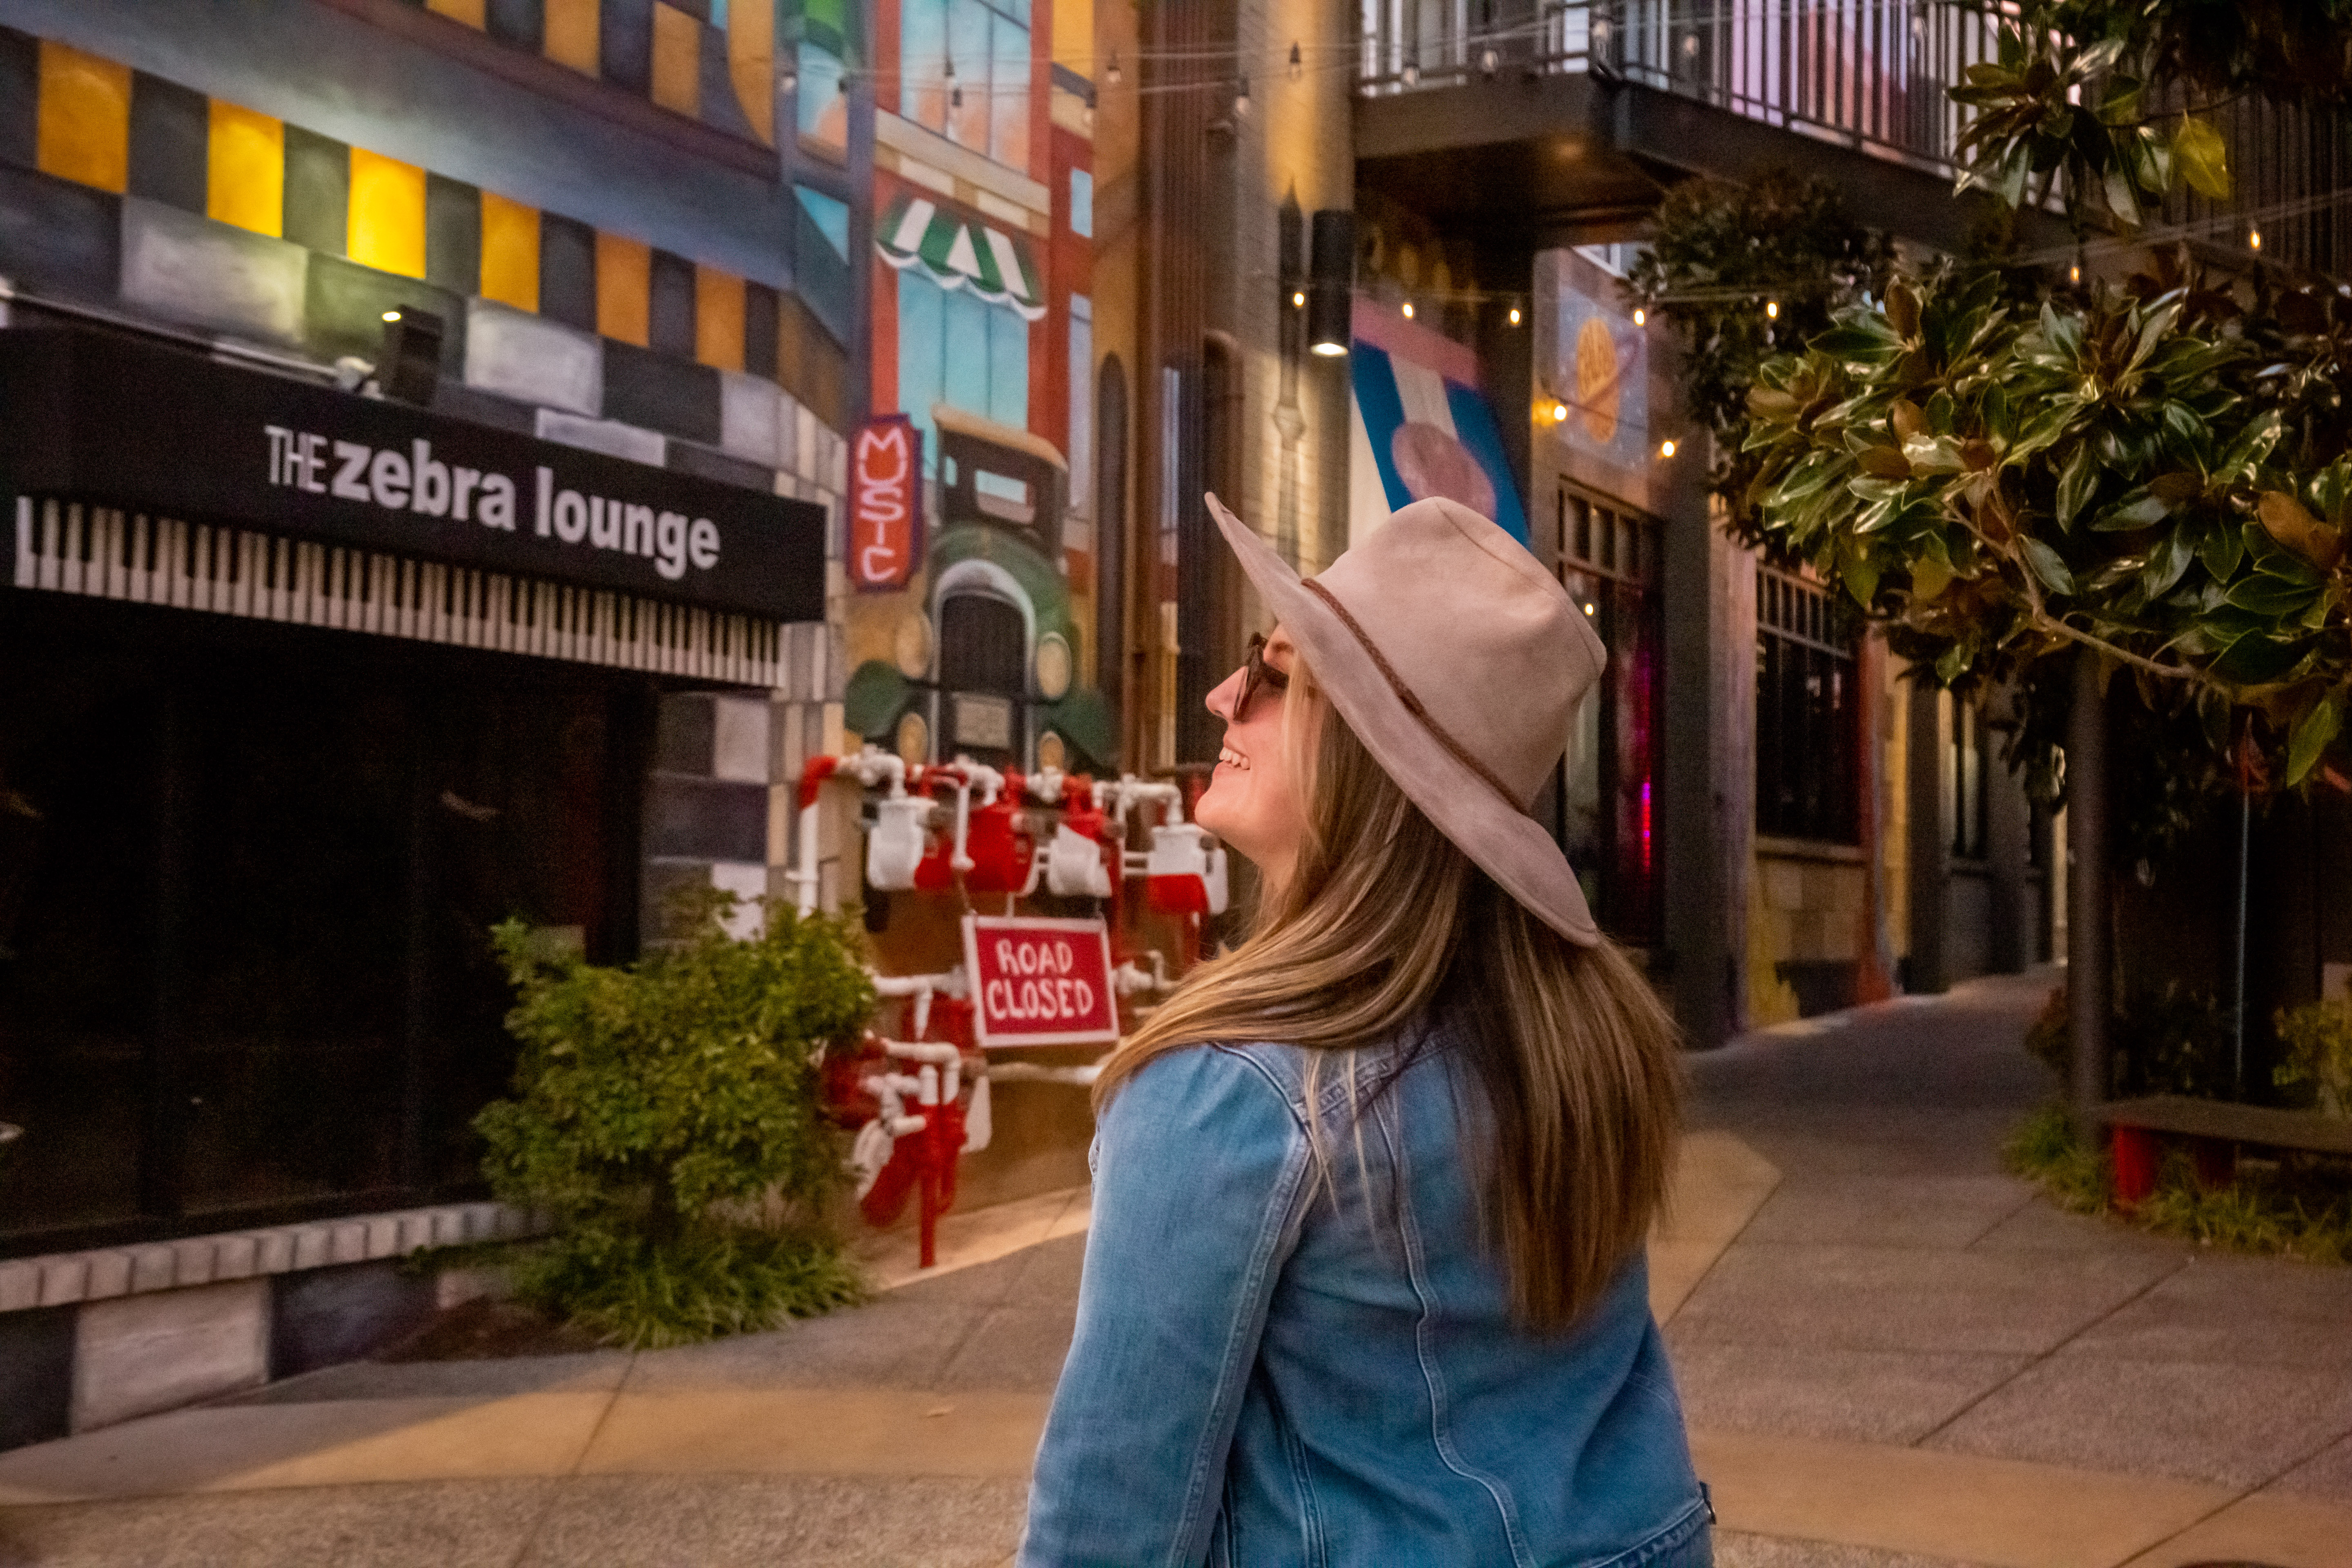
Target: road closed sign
{"x": 1040, "y": 982}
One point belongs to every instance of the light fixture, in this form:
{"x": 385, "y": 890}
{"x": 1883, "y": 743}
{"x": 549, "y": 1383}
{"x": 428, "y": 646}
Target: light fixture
{"x": 1488, "y": 59}
{"x": 1297, "y": 65}
{"x": 788, "y": 79}
{"x": 1665, "y": 448}
{"x": 2074, "y": 274}
{"x": 1298, "y": 299}
{"x": 1411, "y": 75}
{"x": 1111, "y": 73}
{"x": 1330, "y": 281}
{"x": 1514, "y": 315}
{"x": 1087, "y": 117}
{"x": 2254, "y": 239}
{"x": 409, "y": 368}
{"x": 1242, "y": 100}
{"x": 1560, "y": 413}
{"x": 1690, "y": 46}
{"x": 1408, "y": 310}
{"x": 1771, "y": 309}
{"x": 1640, "y": 317}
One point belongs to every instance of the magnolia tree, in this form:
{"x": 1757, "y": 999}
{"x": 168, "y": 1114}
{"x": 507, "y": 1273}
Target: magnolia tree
{"x": 2011, "y": 467}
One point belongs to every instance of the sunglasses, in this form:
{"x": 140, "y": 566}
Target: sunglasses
{"x": 1257, "y": 676}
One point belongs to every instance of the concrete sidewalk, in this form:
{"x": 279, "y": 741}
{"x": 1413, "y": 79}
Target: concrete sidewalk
{"x": 1894, "y": 1356}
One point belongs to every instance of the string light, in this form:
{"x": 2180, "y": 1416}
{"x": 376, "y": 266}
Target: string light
{"x": 1665, "y": 448}
{"x": 2254, "y": 239}
{"x": 1297, "y": 65}
{"x": 1408, "y": 310}
{"x": 1640, "y": 317}
{"x": 955, "y": 92}
{"x": 1514, "y": 315}
{"x": 2074, "y": 274}
{"x": 1242, "y": 100}
{"x": 1488, "y": 59}
{"x": 1298, "y": 299}
{"x": 1560, "y": 413}
{"x": 1771, "y": 309}
{"x": 788, "y": 79}
{"x": 1411, "y": 75}
{"x": 1112, "y": 73}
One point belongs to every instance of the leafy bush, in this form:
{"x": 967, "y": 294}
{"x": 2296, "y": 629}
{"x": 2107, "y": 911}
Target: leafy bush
{"x": 667, "y": 1116}
{"x": 2300, "y": 1208}
{"x": 2169, "y": 1040}
{"x": 2318, "y": 1041}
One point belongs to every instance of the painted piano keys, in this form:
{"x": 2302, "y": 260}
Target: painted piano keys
{"x": 70, "y": 547}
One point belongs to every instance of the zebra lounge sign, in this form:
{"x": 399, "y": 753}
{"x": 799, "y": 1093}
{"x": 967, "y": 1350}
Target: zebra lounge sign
{"x": 158, "y": 430}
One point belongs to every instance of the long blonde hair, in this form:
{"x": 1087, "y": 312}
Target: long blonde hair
{"x": 1384, "y": 922}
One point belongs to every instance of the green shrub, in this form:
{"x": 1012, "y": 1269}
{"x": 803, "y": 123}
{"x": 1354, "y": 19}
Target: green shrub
{"x": 666, "y": 1116}
{"x": 2301, "y": 1207}
{"x": 2318, "y": 1061}
{"x": 2166, "y": 1040}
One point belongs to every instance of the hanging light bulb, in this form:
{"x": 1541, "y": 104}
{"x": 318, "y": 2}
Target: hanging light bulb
{"x": 1411, "y": 75}
{"x": 1111, "y": 73}
{"x": 1298, "y": 299}
{"x": 1488, "y": 59}
{"x": 1087, "y": 117}
{"x": 2254, "y": 239}
{"x": 1514, "y": 315}
{"x": 1560, "y": 413}
{"x": 1640, "y": 317}
{"x": 2074, "y": 274}
{"x": 955, "y": 88}
{"x": 1242, "y": 100}
{"x": 1408, "y": 310}
{"x": 1665, "y": 448}
{"x": 1297, "y": 65}
{"x": 1771, "y": 309}
{"x": 788, "y": 79}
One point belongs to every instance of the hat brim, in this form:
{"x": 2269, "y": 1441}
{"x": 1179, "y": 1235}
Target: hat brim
{"x": 1504, "y": 841}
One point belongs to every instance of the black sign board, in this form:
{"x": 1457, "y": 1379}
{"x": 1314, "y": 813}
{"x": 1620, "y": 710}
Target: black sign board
{"x": 126, "y": 423}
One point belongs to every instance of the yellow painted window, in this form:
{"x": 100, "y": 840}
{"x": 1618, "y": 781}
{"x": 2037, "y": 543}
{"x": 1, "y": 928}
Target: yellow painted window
{"x": 752, "y": 65}
{"x": 84, "y": 119}
{"x": 719, "y": 319}
{"x": 678, "y": 60}
{"x": 469, "y": 11}
{"x": 245, "y": 178}
{"x": 387, "y": 214}
{"x": 509, "y": 252}
{"x": 624, "y": 289}
{"x": 569, "y": 35}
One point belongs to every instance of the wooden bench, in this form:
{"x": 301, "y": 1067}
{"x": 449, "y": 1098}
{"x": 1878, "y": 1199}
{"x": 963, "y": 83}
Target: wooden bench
{"x": 2213, "y": 1130}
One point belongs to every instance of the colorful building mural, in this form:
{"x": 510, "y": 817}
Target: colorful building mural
{"x": 980, "y": 335}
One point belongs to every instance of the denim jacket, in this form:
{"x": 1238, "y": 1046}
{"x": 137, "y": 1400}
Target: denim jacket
{"x": 1274, "y": 1369}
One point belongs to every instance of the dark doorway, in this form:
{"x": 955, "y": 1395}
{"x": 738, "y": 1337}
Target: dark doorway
{"x": 244, "y": 894}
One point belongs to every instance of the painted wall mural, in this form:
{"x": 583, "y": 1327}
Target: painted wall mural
{"x": 1592, "y": 377}
{"x": 981, "y": 263}
{"x": 1422, "y": 427}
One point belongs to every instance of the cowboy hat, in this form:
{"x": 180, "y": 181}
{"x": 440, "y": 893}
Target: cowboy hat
{"x": 1457, "y": 660}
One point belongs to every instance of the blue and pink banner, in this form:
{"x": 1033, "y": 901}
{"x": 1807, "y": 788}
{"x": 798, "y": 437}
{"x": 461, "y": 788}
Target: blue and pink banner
{"x": 1421, "y": 427}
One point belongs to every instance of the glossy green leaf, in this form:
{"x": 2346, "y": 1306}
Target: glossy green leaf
{"x": 2202, "y": 158}
{"x": 2046, "y": 564}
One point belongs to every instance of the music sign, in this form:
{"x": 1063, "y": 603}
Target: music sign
{"x": 886, "y": 502}
{"x": 1040, "y": 982}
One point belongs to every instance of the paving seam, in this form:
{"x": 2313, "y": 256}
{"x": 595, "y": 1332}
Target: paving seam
{"x": 1778, "y": 1177}
{"x": 1922, "y": 1440}
{"x": 2033, "y": 1197}
{"x": 559, "y": 1485}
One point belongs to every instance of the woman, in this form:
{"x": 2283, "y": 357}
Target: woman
{"x": 1364, "y": 1284}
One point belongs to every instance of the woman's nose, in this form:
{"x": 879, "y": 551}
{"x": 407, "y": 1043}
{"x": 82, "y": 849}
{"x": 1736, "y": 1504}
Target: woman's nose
{"x": 1219, "y": 700}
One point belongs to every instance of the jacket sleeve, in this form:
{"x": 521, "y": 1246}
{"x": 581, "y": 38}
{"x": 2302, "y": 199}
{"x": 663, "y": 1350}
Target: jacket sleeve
{"x": 1197, "y": 1187}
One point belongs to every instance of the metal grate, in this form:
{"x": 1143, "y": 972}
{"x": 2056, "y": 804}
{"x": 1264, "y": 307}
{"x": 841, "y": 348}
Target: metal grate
{"x": 69, "y": 547}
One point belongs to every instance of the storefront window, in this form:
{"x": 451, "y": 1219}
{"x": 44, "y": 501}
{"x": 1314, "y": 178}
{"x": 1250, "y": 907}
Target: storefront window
{"x": 1607, "y": 813}
{"x": 247, "y": 887}
{"x": 1808, "y": 714}
{"x": 959, "y": 350}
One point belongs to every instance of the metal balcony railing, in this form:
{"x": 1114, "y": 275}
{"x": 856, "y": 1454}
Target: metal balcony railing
{"x": 1870, "y": 75}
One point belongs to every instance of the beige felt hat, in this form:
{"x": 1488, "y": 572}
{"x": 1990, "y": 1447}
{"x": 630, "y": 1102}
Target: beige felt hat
{"x": 1457, "y": 660}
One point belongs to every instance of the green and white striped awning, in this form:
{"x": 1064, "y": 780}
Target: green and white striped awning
{"x": 960, "y": 254}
